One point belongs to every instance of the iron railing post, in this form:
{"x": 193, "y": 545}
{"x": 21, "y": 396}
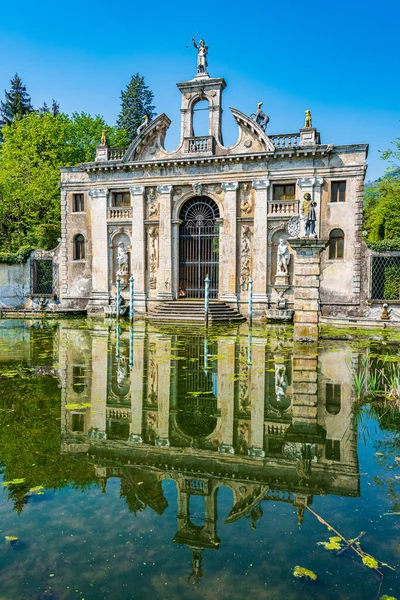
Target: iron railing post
{"x": 118, "y": 296}
{"x": 206, "y": 299}
{"x": 131, "y": 298}
{"x": 251, "y": 301}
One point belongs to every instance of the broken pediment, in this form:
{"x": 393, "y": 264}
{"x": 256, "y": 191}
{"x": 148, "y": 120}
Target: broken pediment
{"x": 252, "y": 137}
{"x": 149, "y": 144}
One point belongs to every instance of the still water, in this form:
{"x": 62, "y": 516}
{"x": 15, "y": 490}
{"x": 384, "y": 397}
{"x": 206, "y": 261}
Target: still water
{"x": 162, "y": 463}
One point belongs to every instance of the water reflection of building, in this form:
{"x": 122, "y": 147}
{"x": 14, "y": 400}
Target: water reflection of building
{"x": 267, "y": 419}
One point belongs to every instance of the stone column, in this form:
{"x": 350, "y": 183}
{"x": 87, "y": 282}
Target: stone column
{"x": 99, "y": 377}
{"x": 228, "y": 245}
{"x": 164, "y": 275}
{"x": 257, "y": 399}
{"x": 138, "y": 252}
{"x": 99, "y": 296}
{"x": 135, "y": 433}
{"x": 260, "y": 246}
{"x": 226, "y": 393}
{"x": 164, "y": 390}
{"x": 307, "y": 269}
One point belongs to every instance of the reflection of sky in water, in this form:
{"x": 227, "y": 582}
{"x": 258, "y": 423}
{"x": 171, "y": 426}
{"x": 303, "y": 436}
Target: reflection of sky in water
{"x": 87, "y": 544}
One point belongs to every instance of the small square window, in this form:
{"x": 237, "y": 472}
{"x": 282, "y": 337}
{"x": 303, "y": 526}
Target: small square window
{"x": 78, "y": 203}
{"x": 285, "y": 192}
{"x": 120, "y": 199}
{"x": 338, "y": 191}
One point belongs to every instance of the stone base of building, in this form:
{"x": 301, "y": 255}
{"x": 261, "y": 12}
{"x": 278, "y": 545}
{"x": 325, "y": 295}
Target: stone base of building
{"x": 97, "y": 302}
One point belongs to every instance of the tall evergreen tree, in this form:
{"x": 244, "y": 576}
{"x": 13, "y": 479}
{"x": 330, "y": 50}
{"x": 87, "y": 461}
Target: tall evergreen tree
{"x": 136, "y": 101}
{"x": 17, "y": 102}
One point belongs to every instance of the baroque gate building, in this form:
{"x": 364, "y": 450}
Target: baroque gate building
{"x": 204, "y": 209}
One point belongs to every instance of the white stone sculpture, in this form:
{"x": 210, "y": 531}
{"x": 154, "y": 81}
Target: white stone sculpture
{"x": 280, "y": 382}
{"x": 122, "y": 258}
{"x": 283, "y": 258}
{"x": 202, "y": 51}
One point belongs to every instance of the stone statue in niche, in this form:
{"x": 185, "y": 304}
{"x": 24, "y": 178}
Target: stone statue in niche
{"x": 202, "y": 51}
{"x": 283, "y": 258}
{"x": 123, "y": 262}
{"x": 309, "y": 215}
{"x": 281, "y": 382}
{"x": 245, "y": 258}
{"x": 246, "y": 205}
{"x": 153, "y": 256}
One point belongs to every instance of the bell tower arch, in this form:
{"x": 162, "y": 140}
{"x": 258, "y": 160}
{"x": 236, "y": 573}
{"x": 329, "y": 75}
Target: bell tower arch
{"x": 201, "y": 88}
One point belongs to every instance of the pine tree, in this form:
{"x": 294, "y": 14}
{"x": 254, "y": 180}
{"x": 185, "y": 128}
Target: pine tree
{"x": 136, "y": 101}
{"x": 17, "y": 102}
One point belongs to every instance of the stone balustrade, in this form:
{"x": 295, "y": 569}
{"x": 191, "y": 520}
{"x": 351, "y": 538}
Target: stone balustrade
{"x": 118, "y": 413}
{"x": 285, "y": 140}
{"x": 199, "y": 145}
{"x": 121, "y": 213}
{"x": 116, "y": 153}
{"x": 283, "y": 208}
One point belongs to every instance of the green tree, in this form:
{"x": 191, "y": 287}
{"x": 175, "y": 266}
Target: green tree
{"x": 33, "y": 150}
{"x": 136, "y": 102}
{"x": 382, "y": 200}
{"x": 17, "y": 102}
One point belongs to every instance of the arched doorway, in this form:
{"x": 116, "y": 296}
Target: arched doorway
{"x": 198, "y": 247}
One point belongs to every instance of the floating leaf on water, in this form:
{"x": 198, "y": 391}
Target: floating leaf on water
{"x": 36, "y": 490}
{"x": 333, "y": 544}
{"x": 302, "y": 572}
{"x": 385, "y": 597}
{"x": 78, "y": 406}
{"x": 13, "y": 482}
{"x": 11, "y": 538}
{"x": 370, "y": 562}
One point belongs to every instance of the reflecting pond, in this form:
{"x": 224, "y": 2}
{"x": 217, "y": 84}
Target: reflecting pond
{"x": 159, "y": 462}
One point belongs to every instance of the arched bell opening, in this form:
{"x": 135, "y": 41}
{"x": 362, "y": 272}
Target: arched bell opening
{"x": 198, "y": 247}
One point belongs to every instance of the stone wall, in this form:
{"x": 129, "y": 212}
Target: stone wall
{"x": 15, "y": 284}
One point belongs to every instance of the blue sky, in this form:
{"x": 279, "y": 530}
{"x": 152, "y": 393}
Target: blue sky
{"x": 340, "y": 59}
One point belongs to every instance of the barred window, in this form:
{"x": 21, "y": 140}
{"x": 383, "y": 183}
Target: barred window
{"x": 336, "y": 244}
{"x": 78, "y": 204}
{"x": 121, "y": 199}
{"x": 285, "y": 192}
{"x": 79, "y": 247}
{"x": 338, "y": 191}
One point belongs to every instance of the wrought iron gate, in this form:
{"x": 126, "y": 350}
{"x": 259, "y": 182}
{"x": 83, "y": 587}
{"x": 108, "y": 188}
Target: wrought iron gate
{"x": 44, "y": 277}
{"x": 198, "y": 248}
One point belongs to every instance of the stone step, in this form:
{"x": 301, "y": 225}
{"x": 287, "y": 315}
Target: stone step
{"x": 193, "y": 310}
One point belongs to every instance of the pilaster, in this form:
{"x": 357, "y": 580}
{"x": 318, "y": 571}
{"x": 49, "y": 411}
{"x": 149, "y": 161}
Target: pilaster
{"x": 138, "y": 256}
{"x": 257, "y": 399}
{"x": 164, "y": 275}
{"x": 63, "y": 253}
{"x": 226, "y": 393}
{"x": 228, "y": 244}
{"x": 137, "y": 382}
{"x": 98, "y": 217}
{"x": 260, "y": 244}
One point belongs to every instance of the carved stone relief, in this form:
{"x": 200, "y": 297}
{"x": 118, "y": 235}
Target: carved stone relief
{"x": 245, "y": 256}
{"x": 198, "y": 188}
{"x": 152, "y": 247}
{"x": 246, "y": 202}
{"x": 153, "y": 205}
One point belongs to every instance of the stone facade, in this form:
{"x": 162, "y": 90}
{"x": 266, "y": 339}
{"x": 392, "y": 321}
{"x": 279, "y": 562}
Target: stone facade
{"x": 137, "y": 196}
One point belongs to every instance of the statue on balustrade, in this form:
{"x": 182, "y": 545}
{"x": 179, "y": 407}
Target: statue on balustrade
{"x": 310, "y": 215}
{"x": 308, "y": 122}
{"x": 260, "y": 117}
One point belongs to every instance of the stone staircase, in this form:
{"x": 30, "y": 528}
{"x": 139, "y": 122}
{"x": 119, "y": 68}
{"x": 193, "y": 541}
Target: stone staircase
{"x": 188, "y": 310}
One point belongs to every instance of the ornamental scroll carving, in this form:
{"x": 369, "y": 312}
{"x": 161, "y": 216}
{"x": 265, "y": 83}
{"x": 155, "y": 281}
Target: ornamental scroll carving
{"x": 152, "y": 247}
{"x": 246, "y": 202}
{"x": 245, "y": 257}
{"x": 153, "y": 205}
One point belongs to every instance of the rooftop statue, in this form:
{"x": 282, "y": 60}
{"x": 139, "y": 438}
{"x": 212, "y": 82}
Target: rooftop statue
{"x": 308, "y": 122}
{"x": 202, "y": 51}
{"x": 103, "y": 137}
{"x": 143, "y": 125}
{"x": 260, "y": 117}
